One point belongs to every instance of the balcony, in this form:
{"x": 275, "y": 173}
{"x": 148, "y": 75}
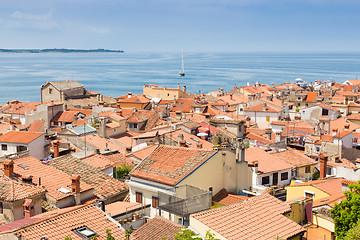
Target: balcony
{"x": 185, "y": 200}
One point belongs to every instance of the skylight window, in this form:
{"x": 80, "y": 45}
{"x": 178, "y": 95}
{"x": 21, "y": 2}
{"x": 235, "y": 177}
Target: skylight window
{"x": 194, "y": 139}
{"x": 85, "y": 232}
{"x": 23, "y": 166}
{"x": 64, "y": 190}
{"x": 188, "y": 143}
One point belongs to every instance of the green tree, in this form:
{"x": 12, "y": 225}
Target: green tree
{"x": 122, "y": 171}
{"x": 187, "y": 234}
{"x": 108, "y": 235}
{"x": 347, "y": 214}
{"x": 127, "y": 234}
{"x": 353, "y": 233}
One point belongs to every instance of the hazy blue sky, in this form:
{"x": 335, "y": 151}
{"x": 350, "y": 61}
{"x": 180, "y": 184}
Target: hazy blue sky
{"x": 194, "y": 25}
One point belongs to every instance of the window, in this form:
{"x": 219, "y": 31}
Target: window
{"x": 265, "y": 180}
{"x": 85, "y": 232}
{"x": 138, "y": 197}
{"x": 4, "y": 147}
{"x": 50, "y": 90}
{"x": 155, "y": 202}
{"x": 325, "y": 112}
{"x": 307, "y": 169}
{"x": 21, "y": 148}
{"x": 268, "y": 118}
{"x": 284, "y": 176}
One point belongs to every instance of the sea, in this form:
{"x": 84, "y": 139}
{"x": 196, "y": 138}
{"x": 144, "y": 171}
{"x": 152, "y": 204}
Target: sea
{"x": 116, "y": 74}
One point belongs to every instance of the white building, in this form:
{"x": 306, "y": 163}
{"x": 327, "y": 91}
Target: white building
{"x": 263, "y": 114}
{"x": 18, "y": 141}
{"x": 314, "y": 113}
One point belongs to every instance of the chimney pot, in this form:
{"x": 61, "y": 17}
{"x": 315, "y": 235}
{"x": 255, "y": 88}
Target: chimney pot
{"x": 56, "y": 146}
{"x": 102, "y": 202}
{"x": 75, "y": 184}
{"x": 323, "y": 164}
{"x": 182, "y": 143}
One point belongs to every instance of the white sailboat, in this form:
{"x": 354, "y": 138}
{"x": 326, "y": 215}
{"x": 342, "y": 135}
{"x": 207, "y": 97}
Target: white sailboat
{"x": 182, "y": 72}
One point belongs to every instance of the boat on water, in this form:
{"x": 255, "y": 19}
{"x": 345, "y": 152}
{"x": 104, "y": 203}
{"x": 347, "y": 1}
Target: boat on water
{"x": 182, "y": 72}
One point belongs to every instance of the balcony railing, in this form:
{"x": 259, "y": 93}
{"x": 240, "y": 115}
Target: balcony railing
{"x": 185, "y": 200}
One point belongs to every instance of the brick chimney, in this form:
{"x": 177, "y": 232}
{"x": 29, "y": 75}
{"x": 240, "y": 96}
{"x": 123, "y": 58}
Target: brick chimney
{"x": 29, "y": 209}
{"x": 231, "y": 97}
{"x": 75, "y": 184}
{"x": 56, "y": 146}
{"x": 182, "y": 143}
{"x": 323, "y": 164}
{"x": 8, "y": 167}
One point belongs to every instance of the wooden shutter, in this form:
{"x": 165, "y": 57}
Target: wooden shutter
{"x": 138, "y": 197}
{"x": 155, "y": 202}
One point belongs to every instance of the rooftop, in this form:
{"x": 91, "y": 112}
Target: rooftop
{"x": 19, "y": 137}
{"x": 257, "y": 218}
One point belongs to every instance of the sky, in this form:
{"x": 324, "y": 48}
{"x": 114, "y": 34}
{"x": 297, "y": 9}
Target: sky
{"x": 192, "y": 25}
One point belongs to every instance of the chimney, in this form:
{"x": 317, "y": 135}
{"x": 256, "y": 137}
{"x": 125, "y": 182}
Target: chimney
{"x": 128, "y": 149}
{"x": 221, "y": 92}
{"x": 153, "y": 106}
{"x": 323, "y": 164}
{"x": 134, "y": 109}
{"x": 182, "y": 143}
{"x": 120, "y": 112}
{"x": 75, "y": 184}
{"x": 264, "y": 107}
{"x": 102, "y": 126}
{"x": 180, "y": 138}
{"x": 347, "y": 126}
{"x": 29, "y": 209}
{"x": 129, "y": 94}
{"x": 184, "y": 89}
{"x": 199, "y": 145}
{"x": 8, "y": 167}
{"x": 297, "y": 118}
{"x": 235, "y": 87}
{"x": 231, "y": 97}
{"x": 56, "y": 146}
{"x": 268, "y": 132}
{"x": 102, "y": 203}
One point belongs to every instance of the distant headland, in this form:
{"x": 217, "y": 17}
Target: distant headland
{"x": 60, "y": 50}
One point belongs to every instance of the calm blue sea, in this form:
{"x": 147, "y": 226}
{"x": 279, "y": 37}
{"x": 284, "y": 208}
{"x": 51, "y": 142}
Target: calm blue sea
{"x": 113, "y": 74}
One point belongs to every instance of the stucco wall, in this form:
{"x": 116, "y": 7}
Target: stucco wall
{"x": 294, "y": 191}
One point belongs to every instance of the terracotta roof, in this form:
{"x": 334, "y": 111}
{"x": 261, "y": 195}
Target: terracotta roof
{"x": 101, "y": 143}
{"x": 140, "y": 99}
{"x": 183, "y": 105}
{"x": 354, "y": 82}
{"x": 21, "y": 108}
{"x": 225, "y": 198}
{"x": 330, "y": 185}
{"x": 86, "y": 112}
{"x": 342, "y": 133}
{"x": 296, "y": 131}
{"x": 191, "y": 140}
{"x": 169, "y": 165}
{"x": 35, "y": 126}
{"x": 259, "y": 138}
{"x": 60, "y": 224}
{"x": 157, "y": 228}
{"x": 354, "y": 116}
{"x": 295, "y": 158}
{"x": 110, "y": 114}
{"x": 104, "y": 185}
{"x": 116, "y": 208}
{"x": 340, "y": 124}
{"x": 19, "y": 137}
{"x": 259, "y": 108}
{"x": 267, "y": 162}
{"x": 326, "y": 138}
{"x": 257, "y": 218}
{"x": 143, "y": 153}
{"x": 52, "y": 179}
{"x": 125, "y": 139}
{"x": 311, "y": 97}
{"x": 11, "y": 190}
{"x": 67, "y": 116}
{"x": 102, "y": 162}
{"x": 235, "y": 99}
{"x": 330, "y": 200}
{"x": 328, "y": 107}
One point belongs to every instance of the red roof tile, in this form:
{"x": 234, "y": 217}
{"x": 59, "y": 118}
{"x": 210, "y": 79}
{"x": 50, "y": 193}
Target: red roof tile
{"x": 169, "y": 165}
{"x": 259, "y": 108}
{"x": 311, "y": 97}
{"x": 259, "y": 218}
{"x": 19, "y": 137}
{"x": 225, "y": 198}
{"x": 157, "y": 228}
